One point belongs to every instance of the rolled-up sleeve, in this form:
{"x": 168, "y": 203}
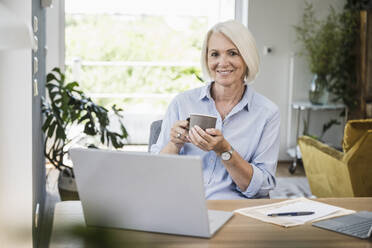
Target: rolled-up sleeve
{"x": 265, "y": 159}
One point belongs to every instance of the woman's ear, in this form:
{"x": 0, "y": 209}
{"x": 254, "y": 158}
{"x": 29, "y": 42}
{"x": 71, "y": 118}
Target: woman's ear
{"x": 246, "y": 74}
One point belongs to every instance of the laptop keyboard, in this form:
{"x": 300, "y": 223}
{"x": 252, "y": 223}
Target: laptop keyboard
{"x": 359, "y": 230}
{"x": 358, "y": 225}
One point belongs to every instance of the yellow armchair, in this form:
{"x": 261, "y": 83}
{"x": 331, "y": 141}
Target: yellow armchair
{"x": 332, "y": 173}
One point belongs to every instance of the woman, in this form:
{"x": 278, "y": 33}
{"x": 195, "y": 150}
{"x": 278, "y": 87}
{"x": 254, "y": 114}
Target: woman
{"x": 240, "y": 154}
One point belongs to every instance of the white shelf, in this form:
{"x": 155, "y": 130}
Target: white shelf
{"x": 308, "y": 105}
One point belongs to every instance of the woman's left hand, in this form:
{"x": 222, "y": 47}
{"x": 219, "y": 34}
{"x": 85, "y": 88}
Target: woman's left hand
{"x": 208, "y": 140}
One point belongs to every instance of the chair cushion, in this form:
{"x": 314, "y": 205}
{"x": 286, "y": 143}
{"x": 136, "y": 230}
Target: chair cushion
{"x": 354, "y": 130}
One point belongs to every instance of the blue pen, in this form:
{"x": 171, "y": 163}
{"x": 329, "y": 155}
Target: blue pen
{"x": 291, "y": 214}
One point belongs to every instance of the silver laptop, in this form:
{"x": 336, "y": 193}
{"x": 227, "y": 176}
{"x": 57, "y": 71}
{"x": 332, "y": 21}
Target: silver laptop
{"x": 142, "y": 191}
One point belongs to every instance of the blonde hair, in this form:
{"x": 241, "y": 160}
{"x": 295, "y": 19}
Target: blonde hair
{"x": 244, "y": 42}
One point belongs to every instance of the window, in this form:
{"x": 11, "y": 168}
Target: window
{"x": 138, "y": 54}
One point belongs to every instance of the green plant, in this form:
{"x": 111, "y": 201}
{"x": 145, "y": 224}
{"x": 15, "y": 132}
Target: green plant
{"x": 66, "y": 107}
{"x": 320, "y": 40}
{"x": 329, "y": 47}
{"x": 344, "y": 71}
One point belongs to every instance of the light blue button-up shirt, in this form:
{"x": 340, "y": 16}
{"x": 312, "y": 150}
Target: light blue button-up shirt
{"x": 251, "y": 128}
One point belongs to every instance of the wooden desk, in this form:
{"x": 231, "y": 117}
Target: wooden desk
{"x": 240, "y": 231}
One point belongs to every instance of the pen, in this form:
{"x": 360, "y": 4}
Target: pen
{"x": 290, "y": 214}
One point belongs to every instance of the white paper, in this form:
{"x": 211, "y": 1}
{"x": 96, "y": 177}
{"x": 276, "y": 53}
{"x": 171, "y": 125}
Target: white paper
{"x": 322, "y": 211}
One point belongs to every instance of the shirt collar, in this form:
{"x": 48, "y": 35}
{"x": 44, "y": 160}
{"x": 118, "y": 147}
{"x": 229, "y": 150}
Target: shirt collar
{"x": 246, "y": 102}
{"x": 247, "y": 99}
{"x": 205, "y": 92}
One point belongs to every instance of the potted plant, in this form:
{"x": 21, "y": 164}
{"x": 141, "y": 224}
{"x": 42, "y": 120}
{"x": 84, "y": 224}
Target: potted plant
{"x": 329, "y": 47}
{"x": 67, "y": 108}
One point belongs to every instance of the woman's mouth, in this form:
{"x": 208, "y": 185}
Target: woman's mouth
{"x": 224, "y": 72}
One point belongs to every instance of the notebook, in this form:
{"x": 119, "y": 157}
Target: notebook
{"x": 357, "y": 225}
{"x": 142, "y": 191}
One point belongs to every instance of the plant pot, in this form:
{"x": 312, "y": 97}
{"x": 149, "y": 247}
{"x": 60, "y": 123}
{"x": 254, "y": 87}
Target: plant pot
{"x": 318, "y": 93}
{"x": 67, "y": 186}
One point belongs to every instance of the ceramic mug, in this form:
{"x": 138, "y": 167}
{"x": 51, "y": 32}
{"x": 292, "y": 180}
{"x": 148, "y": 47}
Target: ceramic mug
{"x": 203, "y": 121}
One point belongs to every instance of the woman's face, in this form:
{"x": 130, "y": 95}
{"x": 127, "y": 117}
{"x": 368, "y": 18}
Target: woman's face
{"x": 225, "y": 63}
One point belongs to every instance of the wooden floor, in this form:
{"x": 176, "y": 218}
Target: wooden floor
{"x": 282, "y": 170}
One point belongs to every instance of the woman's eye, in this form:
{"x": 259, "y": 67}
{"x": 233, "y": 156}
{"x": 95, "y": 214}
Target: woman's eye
{"x": 233, "y": 53}
{"x": 214, "y": 54}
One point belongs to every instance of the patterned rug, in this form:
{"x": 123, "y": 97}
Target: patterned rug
{"x": 291, "y": 187}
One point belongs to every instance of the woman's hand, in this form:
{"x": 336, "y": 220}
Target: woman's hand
{"x": 208, "y": 140}
{"x": 179, "y": 133}
{"x": 178, "y": 137}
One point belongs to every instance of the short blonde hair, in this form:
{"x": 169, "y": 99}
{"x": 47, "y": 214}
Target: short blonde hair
{"x": 244, "y": 42}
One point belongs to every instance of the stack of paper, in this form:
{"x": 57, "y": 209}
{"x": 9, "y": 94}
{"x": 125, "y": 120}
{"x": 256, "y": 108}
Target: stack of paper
{"x": 322, "y": 211}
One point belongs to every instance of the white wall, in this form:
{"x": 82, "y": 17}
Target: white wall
{"x": 271, "y": 22}
{"x": 55, "y": 36}
{"x": 16, "y": 140}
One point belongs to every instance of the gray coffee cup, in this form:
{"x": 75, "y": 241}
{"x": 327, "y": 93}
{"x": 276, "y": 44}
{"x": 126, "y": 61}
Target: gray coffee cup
{"x": 203, "y": 121}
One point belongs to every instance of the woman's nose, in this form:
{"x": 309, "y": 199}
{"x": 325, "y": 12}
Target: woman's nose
{"x": 223, "y": 60}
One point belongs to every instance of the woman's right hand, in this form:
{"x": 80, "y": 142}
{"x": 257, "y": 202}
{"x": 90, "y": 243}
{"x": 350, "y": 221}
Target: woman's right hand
{"x": 179, "y": 133}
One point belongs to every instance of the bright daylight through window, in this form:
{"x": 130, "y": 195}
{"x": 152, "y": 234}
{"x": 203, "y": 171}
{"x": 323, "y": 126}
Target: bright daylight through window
{"x": 138, "y": 54}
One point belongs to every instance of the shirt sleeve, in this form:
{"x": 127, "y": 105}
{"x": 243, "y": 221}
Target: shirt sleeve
{"x": 265, "y": 159}
{"x": 171, "y": 116}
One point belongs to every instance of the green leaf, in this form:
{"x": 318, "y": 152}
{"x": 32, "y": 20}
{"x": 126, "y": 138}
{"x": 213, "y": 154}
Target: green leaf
{"x": 52, "y": 128}
{"x": 123, "y": 131}
{"x": 83, "y": 118}
{"x": 89, "y": 129}
{"x": 51, "y": 77}
{"x": 107, "y": 137}
{"x": 65, "y": 101}
{"x": 56, "y": 69}
{"x": 60, "y": 133}
{"x": 113, "y": 140}
{"x": 51, "y": 86}
{"x": 46, "y": 123}
{"x": 62, "y": 77}
{"x": 70, "y": 86}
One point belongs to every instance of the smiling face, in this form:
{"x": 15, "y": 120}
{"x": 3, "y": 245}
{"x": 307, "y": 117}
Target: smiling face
{"x": 225, "y": 64}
